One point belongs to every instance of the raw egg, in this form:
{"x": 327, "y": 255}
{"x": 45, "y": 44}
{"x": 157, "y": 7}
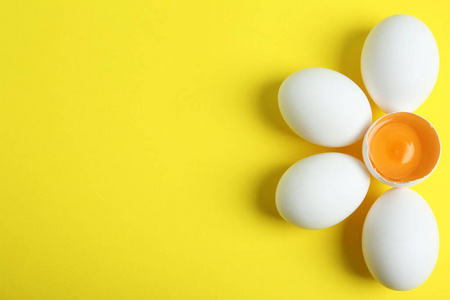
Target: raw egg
{"x": 400, "y": 239}
{"x": 400, "y": 63}
{"x": 401, "y": 149}
{"x": 324, "y": 107}
{"x": 322, "y": 190}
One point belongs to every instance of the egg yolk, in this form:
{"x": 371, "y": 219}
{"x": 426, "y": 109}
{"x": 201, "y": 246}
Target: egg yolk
{"x": 403, "y": 147}
{"x": 396, "y": 150}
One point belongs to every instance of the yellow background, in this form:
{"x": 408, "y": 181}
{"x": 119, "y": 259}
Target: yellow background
{"x": 141, "y": 145}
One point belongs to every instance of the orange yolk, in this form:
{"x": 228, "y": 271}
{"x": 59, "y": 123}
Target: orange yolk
{"x": 403, "y": 147}
{"x": 396, "y": 150}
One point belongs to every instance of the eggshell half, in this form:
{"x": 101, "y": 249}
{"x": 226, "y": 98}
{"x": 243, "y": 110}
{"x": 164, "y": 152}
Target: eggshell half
{"x": 400, "y": 239}
{"x": 400, "y": 63}
{"x": 322, "y": 190}
{"x": 373, "y": 171}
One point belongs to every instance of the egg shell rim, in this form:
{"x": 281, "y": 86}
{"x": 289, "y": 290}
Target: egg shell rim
{"x": 373, "y": 171}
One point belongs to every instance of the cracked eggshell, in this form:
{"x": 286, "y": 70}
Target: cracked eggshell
{"x": 373, "y": 171}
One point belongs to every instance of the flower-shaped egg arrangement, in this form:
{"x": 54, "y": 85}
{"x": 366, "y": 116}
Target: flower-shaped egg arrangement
{"x": 399, "y": 65}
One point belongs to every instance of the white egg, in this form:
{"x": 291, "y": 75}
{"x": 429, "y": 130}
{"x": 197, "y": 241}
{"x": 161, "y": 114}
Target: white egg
{"x": 400, "y": 239}
{"x": 324, "y": 107}
{"x": 400, "y": 63}
{"x": 322, "y": 190}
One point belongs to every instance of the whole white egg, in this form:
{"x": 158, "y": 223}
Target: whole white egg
{"x": 324, "y": 107}
{"x": 400, "y": 63}
{"x": 322, "y": 190}
{"x": 400, "y": 239}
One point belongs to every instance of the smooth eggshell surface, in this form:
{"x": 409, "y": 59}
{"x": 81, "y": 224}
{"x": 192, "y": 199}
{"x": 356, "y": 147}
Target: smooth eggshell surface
{"x": 324, "y": 107}
{"x": 400, "y": 63}
{"x": 400, "y": 239}
{"x": 322, "y": 190}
